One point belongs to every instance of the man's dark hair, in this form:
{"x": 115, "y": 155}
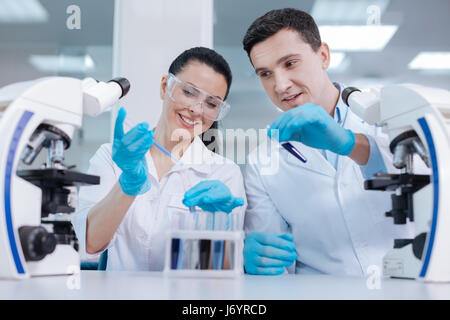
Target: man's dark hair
{"x": 212, "y": 59}
{"x": 204, "y": 55}
{"x": 276, "y": 20}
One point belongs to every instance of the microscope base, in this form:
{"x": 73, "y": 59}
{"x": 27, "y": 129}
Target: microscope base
{"x": 401, "y": 263}
{"x": 63, "y": 261}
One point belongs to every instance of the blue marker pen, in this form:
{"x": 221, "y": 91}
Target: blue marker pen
{"x": 294, "y": 151}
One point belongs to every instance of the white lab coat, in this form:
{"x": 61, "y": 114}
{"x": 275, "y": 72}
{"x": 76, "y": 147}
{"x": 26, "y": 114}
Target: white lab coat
{"x": 139, "y": 242}
{"x": 338, "y": 227}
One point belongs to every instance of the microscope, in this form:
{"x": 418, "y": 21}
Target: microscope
{"x": 417, "y": 122}
{"x": 44, "y": 116}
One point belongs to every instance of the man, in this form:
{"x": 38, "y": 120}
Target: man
{"x": 316, "y": 214}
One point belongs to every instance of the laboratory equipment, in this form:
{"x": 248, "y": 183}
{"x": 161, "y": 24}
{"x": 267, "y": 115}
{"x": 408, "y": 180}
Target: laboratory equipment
{"x": 174, "y": 159}
{"x": 35, "y": 238}
{"x": 417, "y": 121}
{"x": 206, "y": 245}
{"x": 166, "y": 152}
{"x": 201, "y": 243}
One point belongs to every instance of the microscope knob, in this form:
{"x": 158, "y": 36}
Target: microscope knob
{"x": 36, "y": 242}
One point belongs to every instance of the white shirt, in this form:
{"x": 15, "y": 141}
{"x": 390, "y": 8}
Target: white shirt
{"x": 139, "y": 242}
{"x": 338, "y": 226}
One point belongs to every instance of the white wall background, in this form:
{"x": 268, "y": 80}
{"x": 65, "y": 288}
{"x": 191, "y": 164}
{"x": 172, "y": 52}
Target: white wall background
{"x": 148, "y": 35}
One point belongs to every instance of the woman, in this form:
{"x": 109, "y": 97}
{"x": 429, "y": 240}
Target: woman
{"x": 141, "y": 188}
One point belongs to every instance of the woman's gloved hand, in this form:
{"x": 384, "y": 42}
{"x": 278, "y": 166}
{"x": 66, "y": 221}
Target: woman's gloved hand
{"x": 128, "y": 153}
{"x": 212, "y": 196}
{"x": 268, "y": 253}
{"x": 314, "y": 127}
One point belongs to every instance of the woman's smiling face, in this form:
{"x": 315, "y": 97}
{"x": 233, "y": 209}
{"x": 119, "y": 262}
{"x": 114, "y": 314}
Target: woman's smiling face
{"x": 191, "y": 118}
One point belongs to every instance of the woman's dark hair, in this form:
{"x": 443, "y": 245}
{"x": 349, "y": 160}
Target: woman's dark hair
{"x": 212, "y": 59}
{"x": 204, "y": 55}
{"x": 275, "y": 20}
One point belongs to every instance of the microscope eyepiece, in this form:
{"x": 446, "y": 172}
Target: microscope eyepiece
{"x": 123, "y": 83}
{"x": 346, "y": 93}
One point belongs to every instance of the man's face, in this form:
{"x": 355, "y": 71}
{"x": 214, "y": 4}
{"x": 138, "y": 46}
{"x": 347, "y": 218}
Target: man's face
{"x": 291, "y": 72}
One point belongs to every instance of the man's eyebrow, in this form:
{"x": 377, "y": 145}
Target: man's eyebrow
{"x": 287, "y": 57}
{"x": 281, "y": 60}
{"x": 259, "y": 70}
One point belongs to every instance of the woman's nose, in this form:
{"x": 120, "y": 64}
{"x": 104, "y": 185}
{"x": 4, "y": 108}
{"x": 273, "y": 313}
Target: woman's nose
{"x": 196, "y": 108}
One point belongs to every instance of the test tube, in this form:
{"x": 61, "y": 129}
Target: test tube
{"x": 218, "y": 246}
{"x": 218, "y": 250}
{"x": 175, "y": 251}
{"x": 194, "y": 214}
{"x": 205, "y": 251}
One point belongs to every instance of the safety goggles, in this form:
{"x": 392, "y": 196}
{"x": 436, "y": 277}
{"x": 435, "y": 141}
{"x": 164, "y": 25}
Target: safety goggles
{"x": 189, "y": 96}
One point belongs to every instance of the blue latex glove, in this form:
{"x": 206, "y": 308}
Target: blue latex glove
{"x": 314, "y": 127}
{"x": 128, "y": 153}
{"x": 212, "y": 196}
{"x": 268, "y": 253}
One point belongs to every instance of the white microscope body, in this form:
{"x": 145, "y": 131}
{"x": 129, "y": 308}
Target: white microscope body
{"x": 45, "y": 115}
{"x": 417, "y": 121}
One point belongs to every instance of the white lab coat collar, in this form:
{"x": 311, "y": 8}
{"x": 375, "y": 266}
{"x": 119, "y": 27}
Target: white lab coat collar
{"x": 198, "y": 157}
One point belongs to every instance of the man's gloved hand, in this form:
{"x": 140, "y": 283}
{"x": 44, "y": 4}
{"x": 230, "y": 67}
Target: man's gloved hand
{"x": 268, "y": 253}
{"x": 212, "y": 196}
{"x": 128, "y": 153}
{"x": 314, "y": 127}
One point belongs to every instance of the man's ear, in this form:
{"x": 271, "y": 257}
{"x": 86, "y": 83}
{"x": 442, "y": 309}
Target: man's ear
{"x": 163, "y": 88}
{"x": 324, "y": 53}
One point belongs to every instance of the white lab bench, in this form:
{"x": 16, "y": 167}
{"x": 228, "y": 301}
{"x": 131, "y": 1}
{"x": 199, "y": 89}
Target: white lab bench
{"x": 154, "y": 286}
